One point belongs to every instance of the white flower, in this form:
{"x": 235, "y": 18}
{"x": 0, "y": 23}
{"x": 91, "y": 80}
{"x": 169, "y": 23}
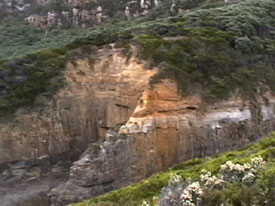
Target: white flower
{"x": 247, "y": 166}
{"x": 155, "y": 198}
{"x": 191, "y": 194}
{"x": 249, "y": 178}
{"x": 175, "y": 179}
{"x": 246, "y": 173}
{"x": 144, "y": 203}
{"x": 257, "y": 162}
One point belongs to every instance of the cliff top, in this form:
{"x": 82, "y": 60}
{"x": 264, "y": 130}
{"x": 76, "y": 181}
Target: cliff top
{"x": 214, "y": 47}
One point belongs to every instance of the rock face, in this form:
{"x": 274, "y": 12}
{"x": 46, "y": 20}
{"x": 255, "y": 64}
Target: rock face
{"x": 29, "y": 192}
{"x": 100, "y": 93}
{"x": 165, "y": 129}
{"x": 129, "y": 128}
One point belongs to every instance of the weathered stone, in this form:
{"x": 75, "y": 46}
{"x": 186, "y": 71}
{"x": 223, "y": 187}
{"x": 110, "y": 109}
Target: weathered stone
{"x": 97, "y": 97}
{"x": 160, "y": 128}
{"x": 166, "y": 129}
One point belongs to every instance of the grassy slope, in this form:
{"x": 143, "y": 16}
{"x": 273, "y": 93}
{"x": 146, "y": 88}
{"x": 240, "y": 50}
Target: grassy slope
{"x": 147, "y": 189}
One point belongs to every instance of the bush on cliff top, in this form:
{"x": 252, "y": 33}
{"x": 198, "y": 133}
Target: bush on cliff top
{"x": 223, "y": 48}
{"x": 18, "y": 39}
{"x": 24, "y": 79}
{"x": 134, "y": 195}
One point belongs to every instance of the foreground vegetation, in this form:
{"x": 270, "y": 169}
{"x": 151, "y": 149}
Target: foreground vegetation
{"x": 235, "y": 194}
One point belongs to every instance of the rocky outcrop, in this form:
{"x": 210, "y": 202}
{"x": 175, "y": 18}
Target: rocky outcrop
{"x": 131, "y": 129}
{"x": 101, "y": 93}
{"x": 165, "y": 129}
{"x": 29, "y": 192}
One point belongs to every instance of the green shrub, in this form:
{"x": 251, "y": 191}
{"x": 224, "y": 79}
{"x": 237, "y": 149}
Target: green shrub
{"x": 233, "y": 195}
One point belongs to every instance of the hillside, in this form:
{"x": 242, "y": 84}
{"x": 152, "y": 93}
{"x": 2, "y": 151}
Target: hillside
{"x": 219, "y": 50}
{"x": 120, "y": 90}
{"x": 152, "y": 190}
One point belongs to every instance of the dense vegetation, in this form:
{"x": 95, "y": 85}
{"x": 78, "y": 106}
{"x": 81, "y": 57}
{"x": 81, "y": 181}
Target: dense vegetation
{"x": 216, "y": 48}
{"x": 222, "y": 48}
{"x": 18, "y": 38}
{"x": 23, "y": 79}
{"x": 235, "y": 194}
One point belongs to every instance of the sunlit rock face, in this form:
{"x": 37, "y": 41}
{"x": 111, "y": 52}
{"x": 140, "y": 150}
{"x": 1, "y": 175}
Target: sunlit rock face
{"x": 129, "y": 128}
{"x": 164, "y": 129}
{"x": 101, "y": 92}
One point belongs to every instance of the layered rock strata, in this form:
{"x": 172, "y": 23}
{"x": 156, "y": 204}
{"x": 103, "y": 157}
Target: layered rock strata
{"x": 101, "y": 92}
{"x": 165, "y": 128}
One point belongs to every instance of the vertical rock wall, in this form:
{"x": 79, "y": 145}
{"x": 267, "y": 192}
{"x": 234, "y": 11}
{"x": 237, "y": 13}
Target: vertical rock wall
{"x": 165, "y": 129}
{"x": 100, "y": 93}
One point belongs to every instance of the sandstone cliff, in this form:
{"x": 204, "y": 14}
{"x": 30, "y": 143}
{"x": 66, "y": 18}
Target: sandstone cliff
{"x": 132, "y": 125}
{"x": 164, "y": 128}
{"x": 130, "y": 128}
{"x": 100, "y": 94}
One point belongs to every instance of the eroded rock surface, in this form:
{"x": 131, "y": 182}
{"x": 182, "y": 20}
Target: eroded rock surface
{"x": 165, "y": 129}
{"x": 101, "y": 92}
{"x": 130, "y": 128}
{"x": 29, "y": 192}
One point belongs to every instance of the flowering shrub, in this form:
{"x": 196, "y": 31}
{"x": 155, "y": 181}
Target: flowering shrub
{"x": 144, "y": 203}
{"x": 154, "y": 202}
{"x": 210, "y": 181}
{"x": 175, "y": 179}
{"x": 245, "y": 173}
{"x": 191, "y": 195}
{"x": 179, "y": 193}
